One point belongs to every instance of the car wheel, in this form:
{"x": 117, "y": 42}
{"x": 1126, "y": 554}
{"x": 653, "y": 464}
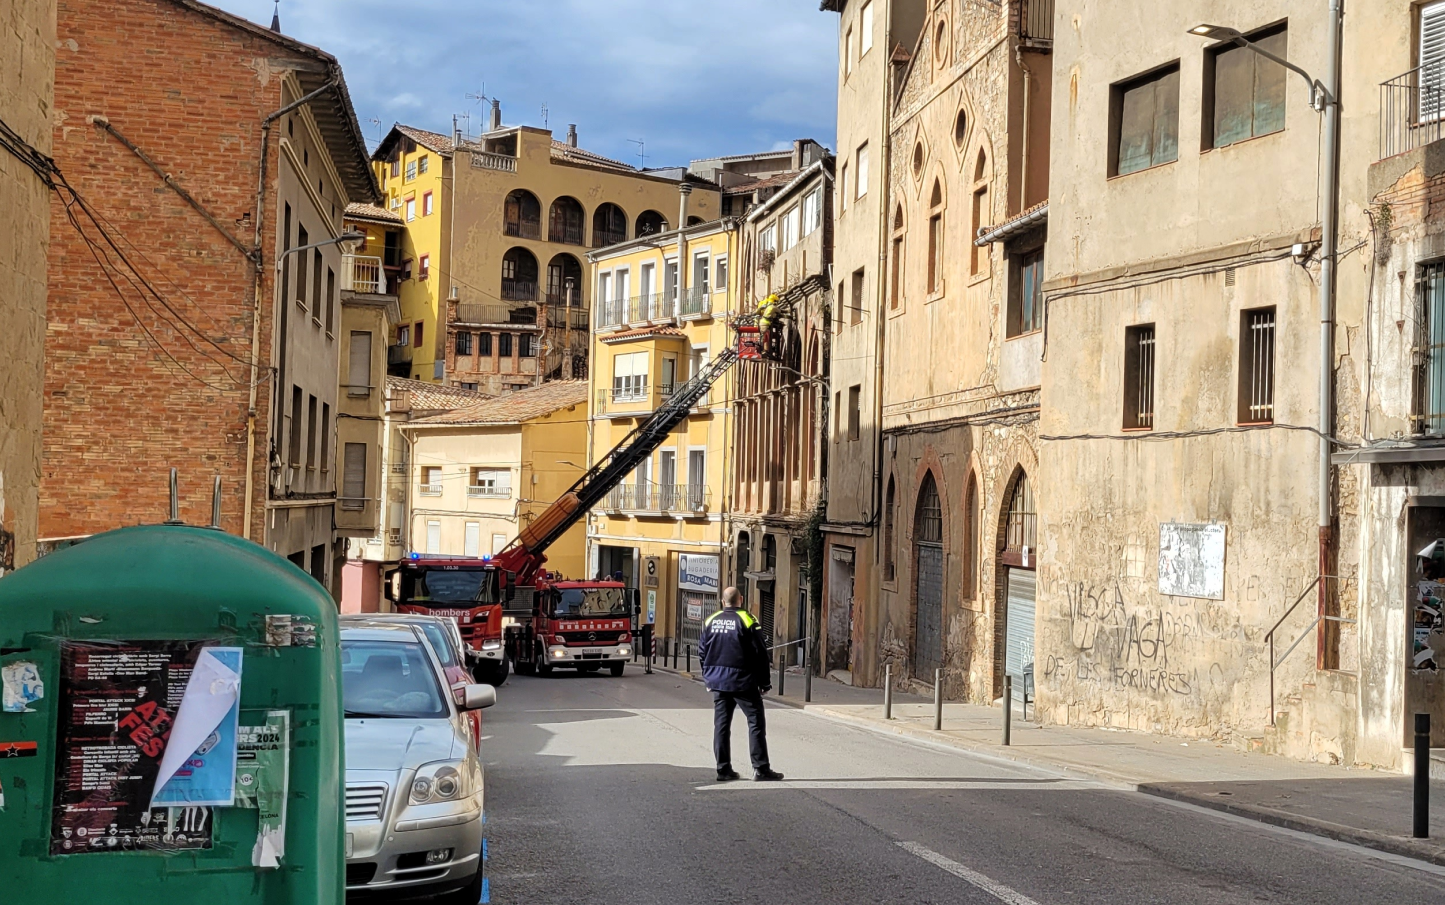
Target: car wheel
{"x": 541, "y": 665}
{"x": 617, "y": 668}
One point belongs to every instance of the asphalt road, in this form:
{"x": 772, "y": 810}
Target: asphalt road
{"x": 602, "y": 790}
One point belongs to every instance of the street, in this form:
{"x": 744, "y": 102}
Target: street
{"x": 601, "y": 790}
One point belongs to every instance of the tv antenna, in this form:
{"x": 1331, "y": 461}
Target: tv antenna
{"x": 544, "y": 115}
{"x": 641, "y": 150}
{"x": 480, "y": 96}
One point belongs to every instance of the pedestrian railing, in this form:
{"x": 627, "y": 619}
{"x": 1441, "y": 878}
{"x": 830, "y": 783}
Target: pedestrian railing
{"x": 1269, "y": 637}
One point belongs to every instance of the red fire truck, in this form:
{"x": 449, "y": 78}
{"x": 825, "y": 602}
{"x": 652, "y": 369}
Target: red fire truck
{"x": 510, "y": 605}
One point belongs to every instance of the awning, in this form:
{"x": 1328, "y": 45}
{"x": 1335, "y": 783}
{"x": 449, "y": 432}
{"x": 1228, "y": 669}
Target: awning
{"x": 1027, "y": 220}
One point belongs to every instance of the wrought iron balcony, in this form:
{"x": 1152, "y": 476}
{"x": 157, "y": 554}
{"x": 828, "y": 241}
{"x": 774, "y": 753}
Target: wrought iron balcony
{"x": 695, "y": 302}
{"x": 1412, "y": 109}
{"x": 519, "y": 290}
{"x": 474, "y": 313}
{"x": 1036, "y": 22}
{"x": 646, "y": 496}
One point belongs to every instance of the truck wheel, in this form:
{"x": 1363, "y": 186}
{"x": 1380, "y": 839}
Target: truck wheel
{"x": 540, "y": 664}
{"x": 616, "y": 669}
{"x": 496, "y": 673}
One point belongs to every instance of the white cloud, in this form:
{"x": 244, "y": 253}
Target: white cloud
{"x": 697, "y": 78}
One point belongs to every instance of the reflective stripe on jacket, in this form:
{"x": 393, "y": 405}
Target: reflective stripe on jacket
{"x": 733, "y": 653}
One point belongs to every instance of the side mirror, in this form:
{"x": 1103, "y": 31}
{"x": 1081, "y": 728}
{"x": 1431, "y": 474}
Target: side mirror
{"x": 388, "y": 590}
{"x": 478, "y": 697}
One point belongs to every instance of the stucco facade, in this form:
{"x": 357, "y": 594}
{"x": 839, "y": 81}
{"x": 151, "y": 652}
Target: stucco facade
{"x": 27, "y": 34}
{"x": 651, "y": 333}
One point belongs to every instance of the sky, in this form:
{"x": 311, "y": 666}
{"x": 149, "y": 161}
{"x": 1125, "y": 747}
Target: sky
{"x": 689, "y": 78}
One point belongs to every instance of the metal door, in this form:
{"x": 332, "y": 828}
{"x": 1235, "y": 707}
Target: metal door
{"x": 928, "y": 629}
{"x": 767, "y": 609}
{"x": 1019, "y": 624}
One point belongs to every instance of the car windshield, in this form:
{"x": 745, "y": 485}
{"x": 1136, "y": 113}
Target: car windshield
{"x": 585, "y": 603}
{"x": 389, "y": 679}
{"x": 447, "y": 586}
{"x": 440, "y": 642}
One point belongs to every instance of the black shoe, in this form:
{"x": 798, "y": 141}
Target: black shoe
{"x": 727, "y": 775}
{"x": 767, "y": 775}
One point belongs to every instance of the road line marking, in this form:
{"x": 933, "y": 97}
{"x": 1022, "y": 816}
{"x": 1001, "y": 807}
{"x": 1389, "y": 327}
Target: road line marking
{"x": 902, "y": 784}
{"x": 993, "y": 888}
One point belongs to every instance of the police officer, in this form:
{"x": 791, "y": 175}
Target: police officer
{"x": 735, "y": 669}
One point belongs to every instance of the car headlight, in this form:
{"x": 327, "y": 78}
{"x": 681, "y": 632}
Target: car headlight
{"x": 491, "y": 645}
{"x": 440, "y": 781}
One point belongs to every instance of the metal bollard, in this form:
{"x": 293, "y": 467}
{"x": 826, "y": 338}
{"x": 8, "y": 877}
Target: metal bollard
{"x": 1008, "y": 707}
{"x": 675, "y": 648}
{"x": 888, "y": 692}
{"x": 1422, "y": 776}
{"x": 808, "y": 671}
{"x": 650, "y": 657}
{"x": 689, "y": 658}
{"x": 782, "y": 669}
{"x": 938, "y": 700}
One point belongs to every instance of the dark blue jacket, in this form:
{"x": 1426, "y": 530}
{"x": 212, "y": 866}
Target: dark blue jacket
{"x": 733, "y": 653}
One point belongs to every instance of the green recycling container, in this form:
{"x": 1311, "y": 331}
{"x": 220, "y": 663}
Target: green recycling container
{"x": 171, "y": 725}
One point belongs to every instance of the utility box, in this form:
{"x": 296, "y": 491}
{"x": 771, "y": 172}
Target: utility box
{"x": 171, "y": 725}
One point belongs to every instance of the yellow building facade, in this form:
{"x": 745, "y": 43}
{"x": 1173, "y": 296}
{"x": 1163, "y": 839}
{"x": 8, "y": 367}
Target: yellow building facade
{"x": 660, "y": 314}
{"x": 414, "y": 169}
{"x": 482, "y": 472}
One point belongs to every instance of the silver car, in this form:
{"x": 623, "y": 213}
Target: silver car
{"x": 414, "y": 783}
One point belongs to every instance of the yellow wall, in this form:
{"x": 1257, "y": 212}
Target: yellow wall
{"x": 653, "y": 529}
{"x": 548, "y": 444}
{"x": 424, "y": 235}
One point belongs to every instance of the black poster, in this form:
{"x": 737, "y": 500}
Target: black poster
{"x": 117, "y": 702}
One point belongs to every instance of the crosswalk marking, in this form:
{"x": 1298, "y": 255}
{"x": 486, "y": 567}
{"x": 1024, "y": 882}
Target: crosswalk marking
{"x": 992, "y": 887}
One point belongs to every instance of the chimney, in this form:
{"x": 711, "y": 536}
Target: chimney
{"x": 456, "y": 132}
{"x": 571, "y": 135}
{"x": 496, "y": 115}
{"x": 682, "y": 192}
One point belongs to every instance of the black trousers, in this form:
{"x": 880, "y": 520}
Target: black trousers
{"x": 751, "y": 702}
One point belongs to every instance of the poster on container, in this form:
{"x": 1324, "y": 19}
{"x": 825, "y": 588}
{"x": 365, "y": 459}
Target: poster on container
{"x": 1427, "y": 631}
{"x": 118, "y": 706}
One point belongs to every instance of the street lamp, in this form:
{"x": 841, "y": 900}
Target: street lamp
{"x": 1324, "y": 98}
{"x": 351, "y": 236}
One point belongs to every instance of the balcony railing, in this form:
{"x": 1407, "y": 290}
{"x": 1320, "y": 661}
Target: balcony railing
{"x": 431, "y": 490}
{"x": 398, "y": 354}
{"x": 362, "y": 273}
{"x": 639, "y": 309}
{"x": 1412, "y": 109}
{"x": 485, "y": 160}
{"x": 519, "y": 290}
{"x": 695, "y": 302}
{"x": 488, "y": 492}
{"x": 473, "y": 313}
{"x": 562, "y": 316}
{"x": 646, "y": 496}
{"x": 1036, "y": 22}
{"x": 601, "y": 238}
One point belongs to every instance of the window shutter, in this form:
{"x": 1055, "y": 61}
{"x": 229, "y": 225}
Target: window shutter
{"x": 353, "y": 475}
{"x": 472, "y": 545}
{"x": 359, "y": 363}
{"x": 1432, "y": 60}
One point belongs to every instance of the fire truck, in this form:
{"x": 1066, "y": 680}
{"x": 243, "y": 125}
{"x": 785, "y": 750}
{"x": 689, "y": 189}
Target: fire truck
{"x": 510, "y": 608}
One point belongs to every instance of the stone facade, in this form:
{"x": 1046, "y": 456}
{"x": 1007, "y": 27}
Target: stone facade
{"x": 27, "y": 34}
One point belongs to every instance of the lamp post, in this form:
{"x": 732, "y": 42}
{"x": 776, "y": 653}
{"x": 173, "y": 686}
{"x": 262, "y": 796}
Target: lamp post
{"x": 352, "y": 236}
{"x": 1325, "y": 98}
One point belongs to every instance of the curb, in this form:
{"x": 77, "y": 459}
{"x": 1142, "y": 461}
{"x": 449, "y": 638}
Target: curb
{"x": 1395, "y": 845}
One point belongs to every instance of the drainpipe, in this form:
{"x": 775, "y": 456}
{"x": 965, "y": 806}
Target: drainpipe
{"x": 258, "y": 256}
{"x": 683, "y": 191}
{"x": 1329, "y": 248}
{"x": 1024, "y": 150}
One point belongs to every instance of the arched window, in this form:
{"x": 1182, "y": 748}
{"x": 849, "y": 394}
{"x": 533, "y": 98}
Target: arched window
{"x": 694, "y": 221}
{"x": 928, "y": 581}
{"x": 742, "y": 564}
{"x": 564, "y": 273}
{"x": 895, "y": 292}
{"x": 522, "y": 215}
{"x": 979, "y": 255}
{"x": 1022, "y": 521}
{"x": 565, "y": 221}
{"x": 650, "y": 222}
{"x": 890, "y": 506}
{"x": 970, "y": 538}
{"x": 609, "y": 226}
{"x": 935, "y": 238}
{"x": 960, "y": 128}
{"x": 519, "y": 275}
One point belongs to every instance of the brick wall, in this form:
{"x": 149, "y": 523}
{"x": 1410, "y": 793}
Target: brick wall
{"x": 122, "y": 407}
{"x": 27, "y": 38}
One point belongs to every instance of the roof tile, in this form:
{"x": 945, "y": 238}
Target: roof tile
{"x": 516, "y": 406}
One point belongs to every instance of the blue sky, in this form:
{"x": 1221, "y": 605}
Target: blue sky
{"x": 692, "y": 78}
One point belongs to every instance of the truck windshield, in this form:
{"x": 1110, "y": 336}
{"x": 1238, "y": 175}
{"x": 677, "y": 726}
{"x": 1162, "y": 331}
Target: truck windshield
{"x": 389, "y": 680}
{"x": 448, "y": 586}
{"x": 585, "y": 603}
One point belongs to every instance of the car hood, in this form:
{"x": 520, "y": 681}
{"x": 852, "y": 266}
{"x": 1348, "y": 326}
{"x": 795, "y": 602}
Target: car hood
{"x": 393, "y": 745}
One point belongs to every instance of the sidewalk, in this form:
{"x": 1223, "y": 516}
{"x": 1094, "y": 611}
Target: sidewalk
{"x": 1357, "y": 806}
